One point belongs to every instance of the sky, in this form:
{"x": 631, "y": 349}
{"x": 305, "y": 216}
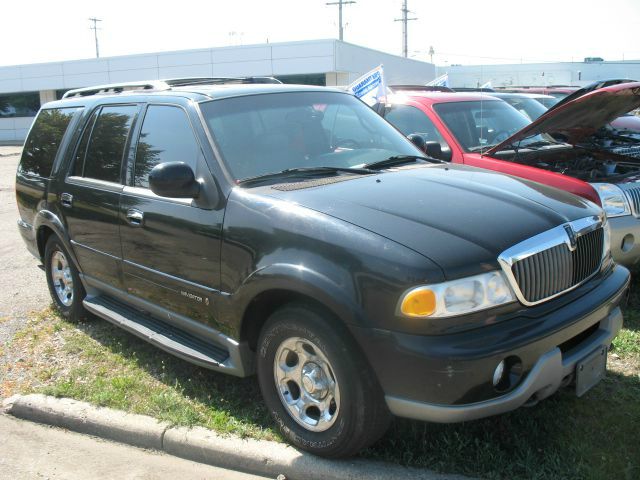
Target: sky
{"x": 460, "y": 31}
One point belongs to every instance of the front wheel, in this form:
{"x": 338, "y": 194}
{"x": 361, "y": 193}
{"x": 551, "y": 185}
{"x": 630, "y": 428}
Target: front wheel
{"x": 63, "y": 280}
{"x": 317, "y": 385}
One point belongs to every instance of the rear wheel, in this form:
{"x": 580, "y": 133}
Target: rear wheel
{"x": 63, "y": 280}
{"x": 317, "y": 385}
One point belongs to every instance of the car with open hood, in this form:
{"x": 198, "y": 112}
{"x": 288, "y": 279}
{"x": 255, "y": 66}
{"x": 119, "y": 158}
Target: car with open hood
{"x": 560, "y": 148}
{"x": 290, "y": 232}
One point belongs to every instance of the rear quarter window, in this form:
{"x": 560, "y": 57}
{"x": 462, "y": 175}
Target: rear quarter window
{"x": 44, "y": 140}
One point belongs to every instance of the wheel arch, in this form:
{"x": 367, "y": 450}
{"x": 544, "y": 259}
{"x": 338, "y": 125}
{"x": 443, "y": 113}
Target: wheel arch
{"x": 47, "y": 223}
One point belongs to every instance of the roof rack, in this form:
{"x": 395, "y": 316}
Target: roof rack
{"x": 165, "y": 85}
{"x": 116, "y": 88}
{"x": 183, "y": 82}
{"x": 420, "y": 88}
{"x": 474, "y": 89}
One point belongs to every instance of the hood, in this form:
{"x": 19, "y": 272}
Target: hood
{"x": 581, "y": 114}
{"x": 459, "y": 217}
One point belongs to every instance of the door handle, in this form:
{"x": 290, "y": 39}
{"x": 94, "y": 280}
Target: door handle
{"x": 135, "y": 217}
{"x": 66, "y": 200}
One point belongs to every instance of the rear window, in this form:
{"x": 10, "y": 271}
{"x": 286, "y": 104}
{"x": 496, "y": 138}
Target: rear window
{"x": 43, "y": 142}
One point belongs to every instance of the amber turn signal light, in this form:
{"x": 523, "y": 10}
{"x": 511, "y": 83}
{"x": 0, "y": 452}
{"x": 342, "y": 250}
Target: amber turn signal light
{"x": 419, "y": 303}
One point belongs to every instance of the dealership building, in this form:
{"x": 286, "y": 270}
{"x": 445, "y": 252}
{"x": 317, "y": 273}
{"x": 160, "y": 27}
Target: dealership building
{"x": 541, "y": 74}
{"x": 23, "y": 88}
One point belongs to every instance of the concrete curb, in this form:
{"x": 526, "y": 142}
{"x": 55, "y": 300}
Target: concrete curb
{"x": 258, "y": 457}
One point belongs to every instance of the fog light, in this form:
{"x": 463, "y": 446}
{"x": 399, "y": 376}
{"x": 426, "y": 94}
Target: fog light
{"x": 627, "y": 243}
{"x": 497, "y": 375}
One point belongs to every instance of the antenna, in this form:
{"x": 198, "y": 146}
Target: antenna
{"x": 95, "y": 33}
{"x": 340, "y": 3}
{"x": 405, "y": 20}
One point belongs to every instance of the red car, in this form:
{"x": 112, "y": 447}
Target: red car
{"x": 560, "y": 148}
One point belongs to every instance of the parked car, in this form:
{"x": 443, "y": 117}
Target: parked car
{"x": 532, "y": 105}
{"x": 290, "y": 231}
{"x": 482, "y": 131}
{"x": 528, "y": 104}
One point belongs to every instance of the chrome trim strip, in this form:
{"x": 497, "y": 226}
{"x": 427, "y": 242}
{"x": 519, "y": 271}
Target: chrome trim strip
{"x": 95, "y": 183}
{"x": 171, "y": 277}
{"x": 25, "y": 225}
{"x": 147, "y": 193}
{"x": 544, "y": 241}
{"x": 76, "y": 244}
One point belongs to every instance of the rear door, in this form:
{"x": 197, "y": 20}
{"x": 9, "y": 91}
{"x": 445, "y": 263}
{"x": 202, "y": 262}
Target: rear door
{"x": 90, "y": 195}
{"x": 170, "y": 246}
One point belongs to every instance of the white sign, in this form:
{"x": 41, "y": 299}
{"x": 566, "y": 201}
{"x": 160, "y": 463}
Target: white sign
{"x": 371, "y": 88}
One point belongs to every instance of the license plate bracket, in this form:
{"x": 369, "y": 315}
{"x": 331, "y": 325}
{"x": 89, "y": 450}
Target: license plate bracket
{"x": 590, "y": 370}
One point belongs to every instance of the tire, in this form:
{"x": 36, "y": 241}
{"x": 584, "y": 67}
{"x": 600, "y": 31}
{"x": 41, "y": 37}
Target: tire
{"x": 305, "y": 357}
{"x": 63, "y": 280}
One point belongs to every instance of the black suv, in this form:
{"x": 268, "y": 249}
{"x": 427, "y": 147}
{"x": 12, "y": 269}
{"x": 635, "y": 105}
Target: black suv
{"x": 289, "y": 231}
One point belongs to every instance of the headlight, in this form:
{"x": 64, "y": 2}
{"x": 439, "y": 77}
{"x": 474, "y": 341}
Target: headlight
{"x": 614, "y": 201}
{"x": 457, "y": 297}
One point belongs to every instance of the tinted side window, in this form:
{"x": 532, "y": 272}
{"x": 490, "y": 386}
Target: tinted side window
{"x": 44, "y": 140}
{"x": 81, "y": 152}
{"x": 410, "y": 120}
{"x": 166, "y": 136}
{"x": 108, "y": 140}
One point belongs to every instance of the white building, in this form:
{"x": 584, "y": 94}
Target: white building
{"x": 23, "y": 88}
{"x": 540, "y": 74}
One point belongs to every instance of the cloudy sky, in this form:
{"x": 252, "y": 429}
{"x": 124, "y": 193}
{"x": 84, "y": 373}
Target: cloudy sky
{"x": 462, "y": 31}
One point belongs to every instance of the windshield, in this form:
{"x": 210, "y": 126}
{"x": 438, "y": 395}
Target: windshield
{"x": 529, "y": 107}
{"x": 548, "y": 101}
{"x": 260, "y": 134}
{"x": 480, "y": 124}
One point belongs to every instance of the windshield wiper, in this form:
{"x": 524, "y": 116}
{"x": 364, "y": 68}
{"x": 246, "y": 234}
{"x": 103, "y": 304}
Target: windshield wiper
{"x": 399, "y": 160}
{"x": 304, "y": 171}
{"x": 480, "y": 148}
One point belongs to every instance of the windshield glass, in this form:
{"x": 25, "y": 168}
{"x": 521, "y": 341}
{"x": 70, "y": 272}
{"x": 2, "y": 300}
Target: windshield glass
{"x": 480, "y": 124}
{"x": 529, "y": 107}
{"x": 260, "y": 134}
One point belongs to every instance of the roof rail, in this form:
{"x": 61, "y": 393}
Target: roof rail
{"x": 117, "y": 88}
{"x": 182, "y": 82}
{"x": 420, "y": 88}
{"x": 165, "y": 84}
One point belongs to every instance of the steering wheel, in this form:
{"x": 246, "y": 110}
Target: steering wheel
{"x": 347, "y": 143}
{"x": 500, "y": 136}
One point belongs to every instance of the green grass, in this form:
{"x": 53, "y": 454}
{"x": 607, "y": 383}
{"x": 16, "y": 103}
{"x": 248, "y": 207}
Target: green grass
{"x": 593, "y": 437}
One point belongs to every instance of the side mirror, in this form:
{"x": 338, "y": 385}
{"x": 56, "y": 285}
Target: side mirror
{"x": 418, "y": 140}
{"x": 433, "y": 149}
{"x": 174, "y": 180}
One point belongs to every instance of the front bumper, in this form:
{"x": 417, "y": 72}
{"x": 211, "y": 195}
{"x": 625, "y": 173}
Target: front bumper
{"x": 625, "y": 240}
{"x": 447, "y": 378}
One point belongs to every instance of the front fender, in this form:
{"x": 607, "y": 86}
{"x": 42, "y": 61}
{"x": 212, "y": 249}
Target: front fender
{"x": 340, "y": 298}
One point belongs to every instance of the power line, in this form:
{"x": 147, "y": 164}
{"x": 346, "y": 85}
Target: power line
{"x": 405, "y": 20}
{"x": 340, "y": 3}
{"x": 95, "y": 33}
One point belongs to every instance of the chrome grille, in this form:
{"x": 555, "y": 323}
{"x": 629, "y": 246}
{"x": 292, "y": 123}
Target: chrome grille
{"x": 554, "y": 261}
{"x": 557, "y": 269}
{"x": 633, "y": 194}
{"x": 629, "y": 151}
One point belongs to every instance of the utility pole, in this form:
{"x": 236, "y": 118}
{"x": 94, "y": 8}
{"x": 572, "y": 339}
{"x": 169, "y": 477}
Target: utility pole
{"x": 405, "y": 20}
{"x": 340, "y": 3}
{"x": 95, "y": 33}
{"x": 431, "y": 52}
